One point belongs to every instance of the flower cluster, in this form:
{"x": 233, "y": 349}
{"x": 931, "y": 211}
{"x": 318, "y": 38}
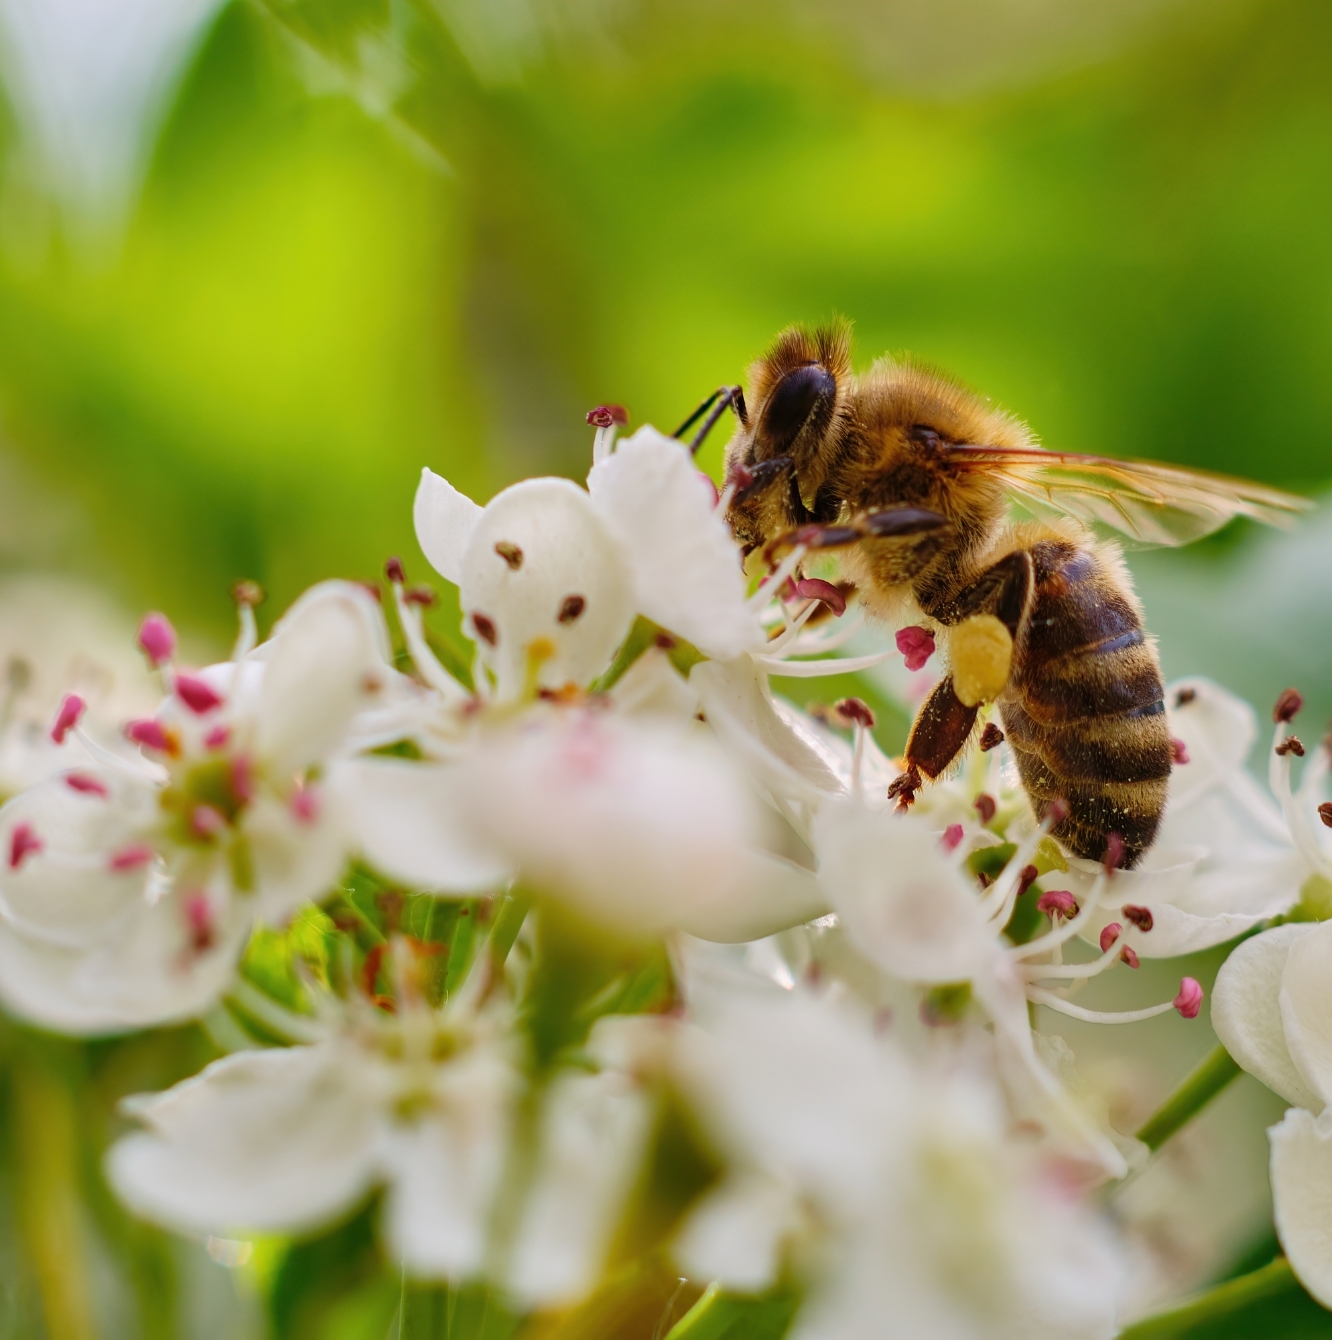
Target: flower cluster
{"x": 484, "y": 935}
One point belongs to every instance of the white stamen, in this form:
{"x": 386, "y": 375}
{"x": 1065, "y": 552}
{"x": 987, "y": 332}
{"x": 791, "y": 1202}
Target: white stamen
{"x": 792, "y": 630}
{"x": 815, "y": 669}
{"x": 1053, "y": 1002}
{"x": 425, "y": 660}
{"x": 139, "y": 770}
{"x": 1036, "y": 972}
{"x": 1003, "y": 893}
{"x": 816, "y": 643}
{"x": 248, "y": 633}
{"x": 772, "y": 584}
{"x": 1301, "y": 831}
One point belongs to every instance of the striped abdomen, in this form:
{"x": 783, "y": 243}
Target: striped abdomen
{"x": 1084, "y": 711}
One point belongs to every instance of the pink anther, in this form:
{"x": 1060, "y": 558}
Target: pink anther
{"x": 305, "y": 804}
{"x": 206, "y": 821}
{"x": 23, "y": 842}
{"x": 157, "y": 638}
{"x": 1179, "y": 752}
{"x": 71, "y": 709}
{"x": 242, "y": 778}
{"x": 916, "y": 645}
{"x": 197, "y": 694}
{"x": 1057, "y": 903}
{"x": 605, "y": 415}
{"x": 86, "y": 785}
{"x": 1190, "y": 998}
{"x": 395, "y": 572}
{"x": 217, "y": 737}
{"x": 952, "y": 836}
{"x": 200, "y": 922}
{"x": 150, "y": 734}
{"x": 856, "y": 711}
{"x": 130, "y": 858}
{"x": 985, "y": 807}
{"x": 814, "y": 588}
{"x": 1109, "y": 934}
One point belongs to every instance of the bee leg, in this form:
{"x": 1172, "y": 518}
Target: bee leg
{"x": 943, "y": 726}
{"x": 726, "y": 397}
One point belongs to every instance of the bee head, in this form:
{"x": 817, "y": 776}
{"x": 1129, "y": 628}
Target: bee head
{"x": 798, "y": 394}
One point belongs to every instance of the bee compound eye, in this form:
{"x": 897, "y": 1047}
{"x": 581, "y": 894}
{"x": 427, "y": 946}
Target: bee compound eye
{"x": 793, "y": 402}
{"x": 924, "y": 434}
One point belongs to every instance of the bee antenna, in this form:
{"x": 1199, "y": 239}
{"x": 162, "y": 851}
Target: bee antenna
{"x": 724, "y": 396}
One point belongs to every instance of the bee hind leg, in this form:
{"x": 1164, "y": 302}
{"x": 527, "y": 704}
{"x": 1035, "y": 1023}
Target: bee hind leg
{"x": 942, "y": 728}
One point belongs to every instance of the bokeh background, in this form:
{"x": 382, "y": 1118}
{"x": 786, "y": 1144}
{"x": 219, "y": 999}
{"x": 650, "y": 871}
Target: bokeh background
{"x": 262, "y": 260}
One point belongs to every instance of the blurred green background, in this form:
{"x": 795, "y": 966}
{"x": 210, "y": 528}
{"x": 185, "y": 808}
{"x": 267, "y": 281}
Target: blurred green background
{"x": 347, "y": 238}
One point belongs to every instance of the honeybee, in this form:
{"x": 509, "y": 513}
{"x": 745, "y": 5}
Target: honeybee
{"x": 907, "y": 478}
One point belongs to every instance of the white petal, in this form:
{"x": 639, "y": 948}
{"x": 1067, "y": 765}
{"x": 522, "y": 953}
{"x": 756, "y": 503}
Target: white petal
{"x": 444, "y": 1168}
{"x": 65, "y": 892}
{"x": 686, "y": 566}
{"x": 631, "y": 821}
{"x": 738, "y": 706}
{"x": 274, "y": 1141}
{"x": 770, "y": 895}
{"x": 445, "y": 520}
{"x": 594, "y": 1131}
{"x": 1302, "y": 1197}
{"x": 737, "y": 1233}
{"x": 145, "y": 973}
{"x": 565, "y": 585}
{"x": 653, "y": 685}
{"x": 326, "y": 660}
{"x": 904, "y": 905}
{"x": 295, "y": 860}
{"x": 1246, "y": 1011}
{"x": 406, "y": 820}
{"x": 1306, "y": 1007}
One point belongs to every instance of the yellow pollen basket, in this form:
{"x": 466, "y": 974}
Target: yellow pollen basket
{"x": 981, "y": 652}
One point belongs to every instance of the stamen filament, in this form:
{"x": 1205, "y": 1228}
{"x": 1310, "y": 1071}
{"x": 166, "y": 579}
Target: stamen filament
{"x": 773, "y": 583}
{"x": 1301, "y": 831}
{"x": 139, "y": 770}
{"x": 425, "y": 660}
{"x": 1003, "y": 892}
{"x": 248, "y": 633}
{"x": 1036, "y": 972}
{"x": 817, "y": 643}
{"x": 792, "y": 629}
{"x": 1053, "y": 1002}
{"x": 815, "y": 669}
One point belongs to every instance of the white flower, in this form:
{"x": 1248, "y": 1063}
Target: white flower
{"x": 545, "y": 560}
{"x": 127, "y": 888}
{"x": 905, "y": 906}
{"x": 619, "y": 804}
{"x": 893, "y": 1190}
{"x": 57, "y": 637}
{"x": 422, "y": 1102}
{"x": 635, "y": 823}
{"x": 1224, "y": 858}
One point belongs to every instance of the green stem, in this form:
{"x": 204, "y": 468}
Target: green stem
{"x": 701, "y": 1321}
{"x": 1223, "y": 1301}
{"x": 1204, "y": 1082}
{"x": 509, "y": 918}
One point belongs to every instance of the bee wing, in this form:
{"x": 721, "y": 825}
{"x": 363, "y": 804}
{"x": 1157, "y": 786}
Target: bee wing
{"x": 1151, "y": 503}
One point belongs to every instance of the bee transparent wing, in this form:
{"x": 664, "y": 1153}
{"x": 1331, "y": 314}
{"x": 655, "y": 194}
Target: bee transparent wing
{"x": 1151, "y": 503}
